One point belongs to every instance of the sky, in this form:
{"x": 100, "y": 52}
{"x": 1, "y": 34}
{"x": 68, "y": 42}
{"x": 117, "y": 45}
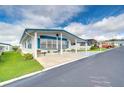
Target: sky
{"x": 87, "y": 22}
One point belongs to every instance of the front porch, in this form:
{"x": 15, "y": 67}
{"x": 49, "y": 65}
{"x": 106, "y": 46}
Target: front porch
{"x": 54, "y": 42}
{"x": 53, "y": 46}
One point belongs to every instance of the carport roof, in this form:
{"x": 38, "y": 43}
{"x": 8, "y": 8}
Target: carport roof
{"x": 57, "y": 30}
{"x": 5, "y": 44}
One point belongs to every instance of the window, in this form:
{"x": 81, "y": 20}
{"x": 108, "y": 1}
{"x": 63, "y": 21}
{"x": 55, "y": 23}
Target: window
{"x": 29, "y": 43}
{"x": 43, "y": 43}
{"x": 49, "y": 42}
{"x": 25, "y": 44}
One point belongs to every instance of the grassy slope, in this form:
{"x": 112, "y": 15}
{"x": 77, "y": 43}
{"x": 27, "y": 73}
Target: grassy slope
{"x": 13, "y": 65}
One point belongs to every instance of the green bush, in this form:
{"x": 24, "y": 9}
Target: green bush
{"x": 0, "y": 58}
{"x": 28, "y": 56}
{"x": 19, "y": 50}
{"x": 72, "y": 50}
{"x": 15, "y": 48}
{"x": 2, "y": 53}
{"x": 94, "y": 47}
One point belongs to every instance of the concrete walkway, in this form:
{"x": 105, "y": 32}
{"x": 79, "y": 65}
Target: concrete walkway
{"x": 56, "y": 59}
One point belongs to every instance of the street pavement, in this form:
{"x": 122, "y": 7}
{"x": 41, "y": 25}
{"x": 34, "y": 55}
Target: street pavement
{"x": 101, "y": 70}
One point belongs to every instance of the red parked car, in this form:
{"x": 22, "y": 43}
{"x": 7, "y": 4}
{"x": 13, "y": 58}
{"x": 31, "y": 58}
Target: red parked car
{"x": 107, "y": 46}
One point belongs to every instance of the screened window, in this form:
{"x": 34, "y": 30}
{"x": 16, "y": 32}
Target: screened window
{"x": 25, "y": 44}
{"x": 43, "y": 43}
{"x": 47, "y": 42}
{"x": 29, "y": 43}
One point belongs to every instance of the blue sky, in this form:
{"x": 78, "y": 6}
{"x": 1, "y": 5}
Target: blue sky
{"x": 90, "y": 15}
{"x": 96, "y": 13}
{"x": 98, "y": 22}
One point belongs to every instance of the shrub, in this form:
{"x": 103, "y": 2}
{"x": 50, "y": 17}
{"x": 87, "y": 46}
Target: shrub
{"x": 0, "y": 58}
{"x": 94, "y": 47}
{"x": 15, "y": 48}
{"x": 72, "y": 50}
{"x": 1, "y": 53}
{"x": 19, "y": 50}
{"x": 28, "y": 56}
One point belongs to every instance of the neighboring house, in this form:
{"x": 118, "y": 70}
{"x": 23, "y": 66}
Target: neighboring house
{"x": 117, "y": 42}
{"x": 91, "y": 42}
{"x": 49, "y": 40}
{"x": 87, "y": 44}
{"x": 5, "y": 47}
{"x": 114, "y": 42}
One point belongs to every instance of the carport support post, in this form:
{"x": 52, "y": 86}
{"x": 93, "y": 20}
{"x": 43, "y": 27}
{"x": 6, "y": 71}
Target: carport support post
{"x": 69, "y": 44}
{"x": 75, "y": 45}
{"x": 35, "y": 45}
{"x": 57, "y": 43}
{"x": 46, "y": 44}
{"x": 100, "y": 45}
{"x": 61, "y": 50}
{"x": 8, "y": 48}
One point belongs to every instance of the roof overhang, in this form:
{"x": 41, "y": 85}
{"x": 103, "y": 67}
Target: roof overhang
{"x": 5, "y": 44}
{"x": 53, "y": 31}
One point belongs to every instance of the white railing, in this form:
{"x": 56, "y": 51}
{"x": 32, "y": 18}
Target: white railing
{"x": 79, "y": 47}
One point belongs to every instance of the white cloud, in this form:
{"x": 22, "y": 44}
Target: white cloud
{"x": 75, "y": 28}
{"x": 48, "y": 16}
{"x": 108, "y": 28}
{"x": 33, "y": 17}
{"x": 10, "y": 33}
{"x": 52, "y": 16}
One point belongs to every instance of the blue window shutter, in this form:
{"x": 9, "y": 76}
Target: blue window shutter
{"x": 38, "y": 42}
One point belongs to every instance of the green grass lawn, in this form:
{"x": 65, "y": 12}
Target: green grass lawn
{"x": 13, "y": 65}
{"x": 95, "y": 50}
{"x": 98, "y": 49}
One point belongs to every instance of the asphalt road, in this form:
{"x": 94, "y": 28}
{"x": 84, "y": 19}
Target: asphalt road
{"x": 100, "y": 70}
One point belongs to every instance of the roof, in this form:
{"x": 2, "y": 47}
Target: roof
{"x": 6, "y": 44}
{"x": 38, "y": 30}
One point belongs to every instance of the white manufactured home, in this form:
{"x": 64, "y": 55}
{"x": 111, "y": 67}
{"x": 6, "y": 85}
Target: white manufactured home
{"x": 5, "y": 47}
{"x": 49, "y": 40}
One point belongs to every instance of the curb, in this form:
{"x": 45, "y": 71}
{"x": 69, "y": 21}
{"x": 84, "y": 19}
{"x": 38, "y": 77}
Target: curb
{"x": 19, "y": 78}
{"x": 34, "y": 73}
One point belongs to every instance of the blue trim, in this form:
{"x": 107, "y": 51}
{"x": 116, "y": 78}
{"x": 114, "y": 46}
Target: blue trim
{"x": 38, "y": 42}
{"x": 51, "y": 37}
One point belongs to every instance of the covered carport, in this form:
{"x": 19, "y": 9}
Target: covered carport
{"x": 58, "y": 34}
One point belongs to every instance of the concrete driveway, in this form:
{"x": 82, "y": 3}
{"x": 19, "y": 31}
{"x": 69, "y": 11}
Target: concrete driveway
{"x": 56, "y": 59}
{"x": 100, "y": 70}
